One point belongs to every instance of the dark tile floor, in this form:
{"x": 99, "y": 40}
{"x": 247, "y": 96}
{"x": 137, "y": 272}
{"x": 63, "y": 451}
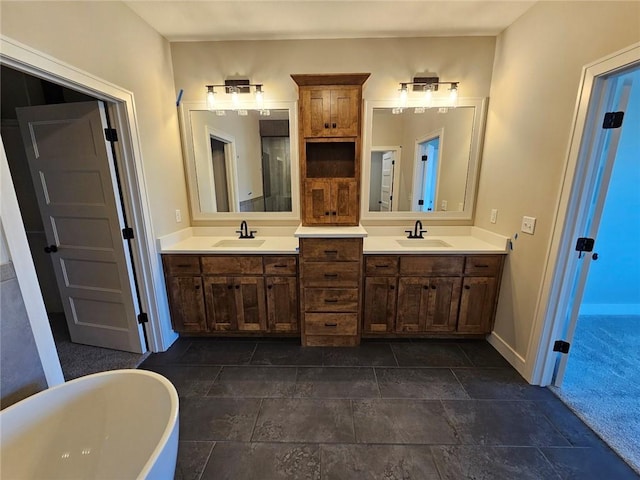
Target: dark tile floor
{"x": 402, "y": 410}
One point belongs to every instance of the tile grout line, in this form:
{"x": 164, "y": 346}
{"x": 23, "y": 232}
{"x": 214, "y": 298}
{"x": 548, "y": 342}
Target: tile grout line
{"x": 255, "y": 422}
{"x": 206, "y": 462}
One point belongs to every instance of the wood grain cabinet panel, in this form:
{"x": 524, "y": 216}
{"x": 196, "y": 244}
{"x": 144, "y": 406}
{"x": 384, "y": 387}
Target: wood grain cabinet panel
{"x": 330, "y": 111}
{"x": 233, "y": 294}
{"x": 186, "y": 303}
{"x": 435, "y": 294}
{"x": 477, "y": 304}
{"x": 380, "y": 304}
{"x": 282, "y": 304}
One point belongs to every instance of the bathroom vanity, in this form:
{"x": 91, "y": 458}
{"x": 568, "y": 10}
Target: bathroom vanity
{"x": 313, "y": 270}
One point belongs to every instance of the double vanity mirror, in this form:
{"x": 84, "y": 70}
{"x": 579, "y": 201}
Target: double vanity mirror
{"x": 421, "y": 165}
{"x": 421, "y": 162}
{"x": 241, "y": 163}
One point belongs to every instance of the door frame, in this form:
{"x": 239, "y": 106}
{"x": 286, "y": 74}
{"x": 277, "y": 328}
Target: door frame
{"x": 417, "y": 182}
{"x": 122, "y": 112}
{"x": 397, "y": 154}
{"x": 561, "y": 266}
{"x": 231, "y": 165}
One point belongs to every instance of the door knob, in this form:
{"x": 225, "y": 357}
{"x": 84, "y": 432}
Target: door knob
{"x": 51, "y": 249}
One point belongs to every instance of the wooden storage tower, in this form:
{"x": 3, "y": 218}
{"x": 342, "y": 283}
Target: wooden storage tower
{"x": 330, "y": 150}
{"x": 330, "y": 147}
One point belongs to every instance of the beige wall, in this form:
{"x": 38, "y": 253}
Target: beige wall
{"x": 536, "y": 75}
{"x": 390, "y": 61}
{"x": 109, "y": 41}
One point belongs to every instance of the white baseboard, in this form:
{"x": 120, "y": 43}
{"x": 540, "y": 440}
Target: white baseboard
{"x": 610, "y": 309}
{"x": 509, "y": 354}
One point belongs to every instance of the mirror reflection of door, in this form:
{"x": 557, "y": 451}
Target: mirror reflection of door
{"x": 386, "y": 183}
{"x": 276, "y": 173}
{"x": 219, "y": 164}
{"x": 428, "y": 160}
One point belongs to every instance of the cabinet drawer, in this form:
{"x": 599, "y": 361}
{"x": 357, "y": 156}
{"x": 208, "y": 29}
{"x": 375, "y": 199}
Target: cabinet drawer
{"x": 331, "y": 299}
{"x": 331, "y": 323}
{"x": 331, "y": 274}
{"x": 232, "y": 265}
{"x": 280, "y": 265}
{"x": 431, "y": 265}
{"x": 381, "y": 265}
{"x": 483, "y": 265}
{"x": 330, "y": 249}
{"x": 177, "y": 264}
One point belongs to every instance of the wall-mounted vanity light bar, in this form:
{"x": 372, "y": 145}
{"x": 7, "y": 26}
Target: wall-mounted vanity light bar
{"x": 426, "y": 86}
{"x": 235, "y": 88}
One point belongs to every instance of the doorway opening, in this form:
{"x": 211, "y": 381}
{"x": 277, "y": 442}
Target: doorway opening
{"x": 20, "y": 90}
{"x": 600, "y": 378}
{"x": 427, "y": 170}
{"x": 219, "y": 165}
{"x": 590, "y": 291}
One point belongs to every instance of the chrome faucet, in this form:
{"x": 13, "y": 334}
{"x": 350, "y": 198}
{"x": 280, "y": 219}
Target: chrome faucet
{"x": 244, "y": 231}
{"x": 417, "y": 231}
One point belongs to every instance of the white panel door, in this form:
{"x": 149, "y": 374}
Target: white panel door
{"x": 386, "y": 184}
{"x": 72, "y": 170}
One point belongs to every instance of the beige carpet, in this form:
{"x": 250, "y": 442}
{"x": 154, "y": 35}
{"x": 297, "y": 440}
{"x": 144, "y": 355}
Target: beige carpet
{"x": 602, "y": 381}
{"x": 78, "y": 360}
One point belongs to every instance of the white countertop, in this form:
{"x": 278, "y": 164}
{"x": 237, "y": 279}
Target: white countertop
{"x": 377, "y": 240}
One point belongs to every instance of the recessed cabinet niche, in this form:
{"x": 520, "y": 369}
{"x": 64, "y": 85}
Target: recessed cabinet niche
{"x": 330, "y": 147}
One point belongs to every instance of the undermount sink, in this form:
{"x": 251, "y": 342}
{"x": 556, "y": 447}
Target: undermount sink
{"x": 422, "y": 242}
{"x": 239, "y": 243}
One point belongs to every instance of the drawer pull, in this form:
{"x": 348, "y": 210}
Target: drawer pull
{"x": 330, "y": 275}
{"x": 327, "y": 324}
{"x": 183, "y": 265}
{"x": 391, "y": 287}
{"x": 433, "y": 287}
{"x": 331, "y": 252}
{"x": 326, "y": 125}
{"x": 269, "y": 287}
{"x": 197, "y": 287}
{"x": 280, "y": 266}
{"x": 382, "y": 266}
{"x": 330, "y": 300}
{"x": 481, "y": 266}
{"x": 467, "y": 287}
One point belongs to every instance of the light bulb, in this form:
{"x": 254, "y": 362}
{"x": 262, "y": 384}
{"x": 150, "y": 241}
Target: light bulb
{"x": 453, "y": 95}
{"x": 403, "y": 94}
{"x": 259, "y": 96}
{"x": 234, "y": 98}
{"x": 428, "y": 96}
{"x": 211, "y": 98}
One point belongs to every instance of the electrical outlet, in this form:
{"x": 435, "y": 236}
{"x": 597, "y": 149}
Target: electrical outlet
{"x": 528, "y": 225}
{"x": 494, "y": 215}
{"x": 443, "y": 205}
{"x": 178, "y": 216}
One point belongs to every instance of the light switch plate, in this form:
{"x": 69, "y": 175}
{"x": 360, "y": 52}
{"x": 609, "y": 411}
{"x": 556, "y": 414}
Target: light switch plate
{"x": 178, "y": 216}
{"x": 528, "y": 225}
{"x": 443, "y": 205}
{"x": 494, "y": 215}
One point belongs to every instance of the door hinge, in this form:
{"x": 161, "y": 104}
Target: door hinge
{"x": 561, "y": 346}
{"x": 390, "y": 197}
{"x": 612, "y": 120}
{"x": 143, "y": 318}
{"x": 127, "y": 233}
{"x": 110, "y": 134}
{"x": 424, "y": 158}
{"x": 393, "y": 162}
{"x": 420, "y": 202}
{"x": 584, "y": 244}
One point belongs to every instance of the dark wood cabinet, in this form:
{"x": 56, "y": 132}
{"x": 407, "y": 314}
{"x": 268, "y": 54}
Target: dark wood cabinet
{"x": 330, "y": 111}
{"x": 435, "y": 294}
{"x": 330, "y": 291}
{"x": 330, "y": 147}
{"x": 232, "y": 294}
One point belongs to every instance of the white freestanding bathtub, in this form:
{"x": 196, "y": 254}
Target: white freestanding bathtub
{"x": 121, "y": 424}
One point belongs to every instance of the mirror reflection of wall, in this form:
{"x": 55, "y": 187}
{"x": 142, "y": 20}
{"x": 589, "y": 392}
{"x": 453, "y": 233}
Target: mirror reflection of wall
{"x": 431, "y": 174}
{"x": 242, "y": 163}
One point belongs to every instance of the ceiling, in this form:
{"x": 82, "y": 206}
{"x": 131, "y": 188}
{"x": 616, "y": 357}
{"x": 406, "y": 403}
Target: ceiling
{"x": 215, "y": 20}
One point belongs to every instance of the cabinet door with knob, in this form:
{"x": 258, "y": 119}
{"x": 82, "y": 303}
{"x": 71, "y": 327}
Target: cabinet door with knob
{"x": 282, "y": 294}
{"x": 331, "y": 201}
{"x": 330, "y": 112}
{"x": 185, "y": 292}
{"x": 380, "y": 304}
